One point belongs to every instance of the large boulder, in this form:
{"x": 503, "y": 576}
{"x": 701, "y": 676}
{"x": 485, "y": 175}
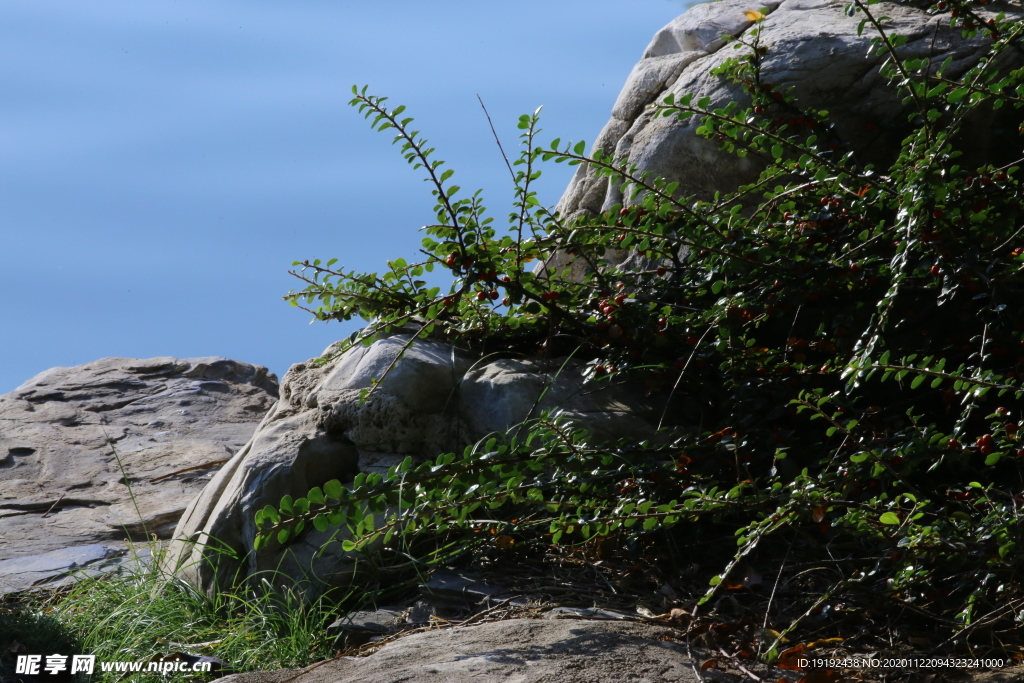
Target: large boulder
{"x": 435, "y": 399}
{"x": 516, "y": 651}
{"x": 813, "y": 47}
{"x": 70, "y": 436}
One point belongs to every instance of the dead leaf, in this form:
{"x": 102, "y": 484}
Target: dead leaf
{"x": 678, "y": 614}
{"x": 818, "y": 513}
{"x": 821, "y": 676}
{"x": 788, "y": 658}
{"x": 505, "y": 542}
{"x": 768, "y": 635}
{"x": 747, "y": 577}
{"x": 709, "y": 663}
{"x": 823, "y": 641}
{"x": 753, "y": 15}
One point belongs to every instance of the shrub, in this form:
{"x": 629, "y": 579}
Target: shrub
{"x": 850, "y": 336}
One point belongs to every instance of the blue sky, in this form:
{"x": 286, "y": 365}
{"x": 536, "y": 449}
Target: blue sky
{"x": 163, "y": 162}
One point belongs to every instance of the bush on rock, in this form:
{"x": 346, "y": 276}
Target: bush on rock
{"x": 838, "y": 349}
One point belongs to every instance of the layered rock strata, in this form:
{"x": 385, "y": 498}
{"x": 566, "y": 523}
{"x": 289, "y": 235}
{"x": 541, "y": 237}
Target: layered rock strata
{"x": 71, "y": 437}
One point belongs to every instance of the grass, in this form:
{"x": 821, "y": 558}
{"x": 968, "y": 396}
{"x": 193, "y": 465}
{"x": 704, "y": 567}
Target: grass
{"x": 151, "y": 612}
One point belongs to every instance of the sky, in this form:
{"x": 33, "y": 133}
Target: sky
{"x": 162, "y": 163}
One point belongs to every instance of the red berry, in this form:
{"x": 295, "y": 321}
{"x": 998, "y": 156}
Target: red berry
{"x": 661, "y": 270}
{"x": 985, "y": 444}
{"x": 481, "y": 296}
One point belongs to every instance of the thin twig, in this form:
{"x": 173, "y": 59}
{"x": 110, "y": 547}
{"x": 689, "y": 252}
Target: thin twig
{"x": 495, "y": 133}
{"x": 55, "y": 503}
{"x": 212, "y": 463}
{"x": 734, "y": 662}
{"x": 983, "y": 621}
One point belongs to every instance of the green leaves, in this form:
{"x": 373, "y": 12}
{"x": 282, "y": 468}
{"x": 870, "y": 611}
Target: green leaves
{"x": 776, "y": 311}
{"x": 889, "y": 518}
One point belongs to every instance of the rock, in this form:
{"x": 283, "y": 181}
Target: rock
{"x": 61, "y": 567}
{"x": 521, "y": 651}
{"x": 461, "y": 586}
{"x": 814, "y": 47}
{"x": 587, "y": 613}
{"x": 435, "y": 400}
{"x": 172, "y": 422}
{"x": 376, "y": 621}
{"x": 360, "y": 627}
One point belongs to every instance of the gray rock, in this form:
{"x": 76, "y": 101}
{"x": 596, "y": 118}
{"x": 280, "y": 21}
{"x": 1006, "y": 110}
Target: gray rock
{"x": 360, "y": 627}
{"x": 61, "y": 485}
{"x": 814, "y": 47}
{"x": 61, "y": 567}
{"x": 435, "y": 400}
{"x": 587, "y": 613}
{"x": 521, "y": 651}
{"x": 382, "y": 620}
{"x": 446, "y": 584}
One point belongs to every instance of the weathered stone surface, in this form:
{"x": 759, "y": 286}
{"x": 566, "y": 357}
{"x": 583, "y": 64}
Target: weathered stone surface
{"x": 522, "y": 651}
{"x": 436, "y": 399}
{"x": 813, "y": 47}
{"x": 172, "y": 422}
{"x": 67, "y": 565}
